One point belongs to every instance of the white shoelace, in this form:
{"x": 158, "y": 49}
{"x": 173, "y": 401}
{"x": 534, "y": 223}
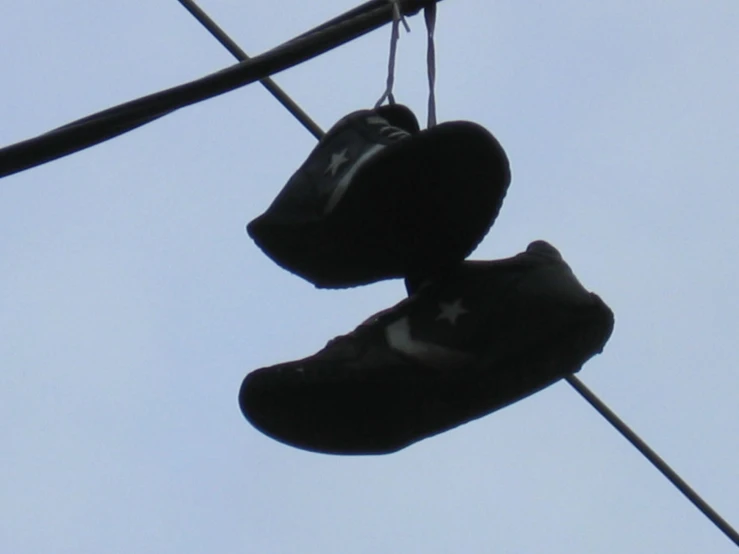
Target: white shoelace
{"x": 398, "y": 18}
{"x": 430, "y": 16}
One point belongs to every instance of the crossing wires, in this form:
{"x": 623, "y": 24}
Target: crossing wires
{"x": 120, "y": 119}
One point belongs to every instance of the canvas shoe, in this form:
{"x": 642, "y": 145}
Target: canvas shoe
{"x": 484, "y": 336}
{"x": 378, "y": 198}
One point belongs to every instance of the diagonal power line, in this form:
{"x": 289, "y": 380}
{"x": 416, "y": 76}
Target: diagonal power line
{"x": 654, "y": 458}
{"x": 578, "y": 385}
{"x": 240, "y": 55}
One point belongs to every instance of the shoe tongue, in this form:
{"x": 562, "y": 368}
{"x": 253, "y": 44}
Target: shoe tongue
{"x": 399, "y": 116}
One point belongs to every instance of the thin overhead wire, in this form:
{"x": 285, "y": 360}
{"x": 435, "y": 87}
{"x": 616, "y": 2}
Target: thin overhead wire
{"x": 240, "y": 55}
{"x": 585, "y": 392}
{"x": 654, "y": 458}
{"x": 120, "y": 119}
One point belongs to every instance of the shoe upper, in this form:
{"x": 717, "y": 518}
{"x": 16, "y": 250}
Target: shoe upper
{"x": 475, "y": 340}
{"x": 452, "y": 323}
{"x": 316, "y": 188}
{"x": 378, "y": 199}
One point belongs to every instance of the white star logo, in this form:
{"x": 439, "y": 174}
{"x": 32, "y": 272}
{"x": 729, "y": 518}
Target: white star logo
{"x": 450, "y": 311}
{"x": 337, "y": 160}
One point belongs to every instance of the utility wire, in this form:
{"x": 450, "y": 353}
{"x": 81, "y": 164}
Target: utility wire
{"x": 120, "y": 119}
{"x": 240, "y": 55}
{"x": 654, "y": 458}
{"x": 578, "y": 385}
{"x": 409, "y": 7}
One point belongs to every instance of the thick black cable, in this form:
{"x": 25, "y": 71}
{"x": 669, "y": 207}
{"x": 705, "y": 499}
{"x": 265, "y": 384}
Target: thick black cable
{"x": 654, "y": 458}
{"x": 409, "y": 7}
{"x": 120, "y": 119}
{"x": 281, "y": 96}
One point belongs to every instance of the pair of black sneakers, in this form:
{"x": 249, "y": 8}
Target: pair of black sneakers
{"x": 376, "y": 199}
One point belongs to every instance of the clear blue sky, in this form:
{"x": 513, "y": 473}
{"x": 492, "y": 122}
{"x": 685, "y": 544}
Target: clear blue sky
{"x": 132, "y": 303}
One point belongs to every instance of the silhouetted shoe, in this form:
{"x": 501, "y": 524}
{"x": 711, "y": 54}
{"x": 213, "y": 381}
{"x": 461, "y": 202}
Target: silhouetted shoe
{"x": 379, "y": 199}
{"x": 482, "y": 337}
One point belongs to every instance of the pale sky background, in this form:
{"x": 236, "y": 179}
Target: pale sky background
{"x": 132, "y": 302}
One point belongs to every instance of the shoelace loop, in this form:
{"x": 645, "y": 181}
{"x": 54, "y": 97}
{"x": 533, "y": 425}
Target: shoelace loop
{"x": 398, "y": 18}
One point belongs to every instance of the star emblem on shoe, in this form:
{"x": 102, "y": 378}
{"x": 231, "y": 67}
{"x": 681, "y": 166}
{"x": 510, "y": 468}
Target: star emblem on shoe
{"x": 376, "y": 197}
{"x": 450, "y": 311}
{"x": 337, "y": 160}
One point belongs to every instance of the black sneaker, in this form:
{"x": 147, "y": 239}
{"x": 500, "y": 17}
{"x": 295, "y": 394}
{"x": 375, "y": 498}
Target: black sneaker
{"x": 378, "y": 199}
{"x": 484, "y": 336}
